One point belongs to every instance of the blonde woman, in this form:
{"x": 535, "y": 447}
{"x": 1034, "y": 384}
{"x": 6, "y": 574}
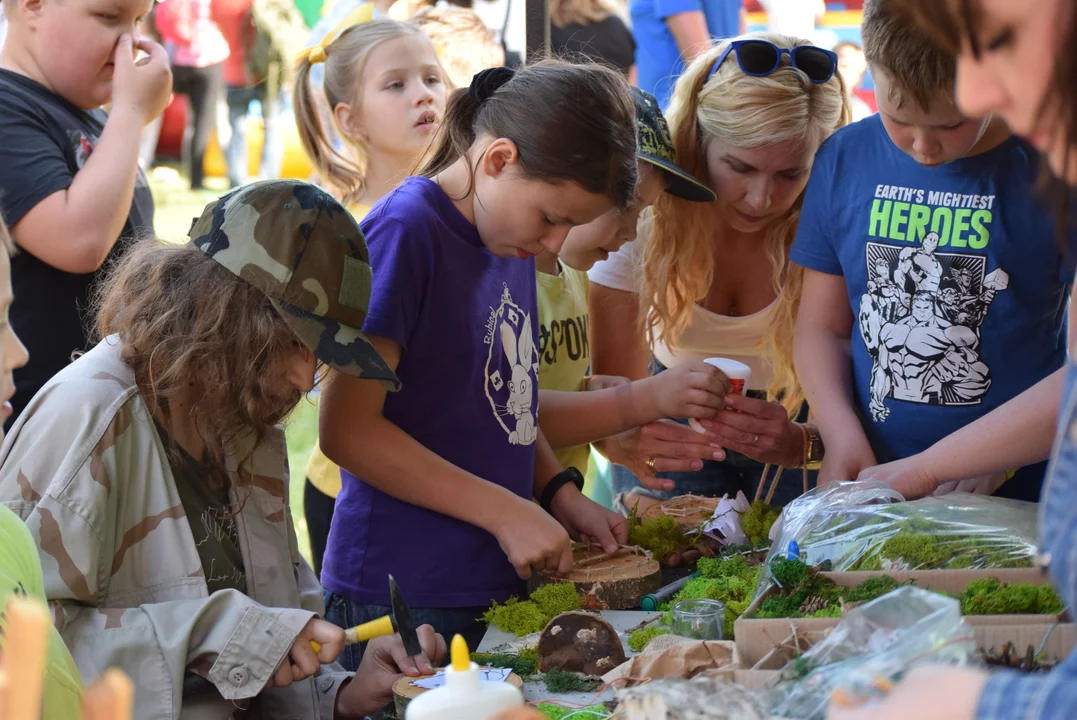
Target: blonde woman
{"x": 713, "y": 280}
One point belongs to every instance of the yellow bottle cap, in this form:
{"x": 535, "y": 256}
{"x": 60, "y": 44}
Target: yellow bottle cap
{"x": 461, "y": 658}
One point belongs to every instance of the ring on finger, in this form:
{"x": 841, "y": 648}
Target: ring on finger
{"x": 650, "y": 463}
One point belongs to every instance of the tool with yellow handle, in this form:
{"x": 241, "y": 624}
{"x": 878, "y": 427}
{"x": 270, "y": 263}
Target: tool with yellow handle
{"x": 367, "y": 631}
{"x": 399, "y": 621}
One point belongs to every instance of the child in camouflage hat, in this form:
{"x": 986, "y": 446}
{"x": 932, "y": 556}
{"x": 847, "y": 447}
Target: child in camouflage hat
{"x": 152, "y": 472}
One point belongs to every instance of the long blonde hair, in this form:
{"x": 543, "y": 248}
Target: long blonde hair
{"x": 678, "y": 254}
{"x": 345, "y": 60}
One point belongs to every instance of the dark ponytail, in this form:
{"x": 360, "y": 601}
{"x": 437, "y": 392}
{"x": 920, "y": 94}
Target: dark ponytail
{"x": 570, "y": 122}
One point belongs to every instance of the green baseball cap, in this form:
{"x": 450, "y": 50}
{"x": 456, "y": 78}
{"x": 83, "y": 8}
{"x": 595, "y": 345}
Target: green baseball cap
{"x": 299, "y": 246}
{"x": 655, "y": 146}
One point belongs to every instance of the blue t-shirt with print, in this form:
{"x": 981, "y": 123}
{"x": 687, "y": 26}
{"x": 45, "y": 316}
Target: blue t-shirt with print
{"x": 954, "y": 276}
{"x": 467, "y": 324}
{"x": 658, "y": 60}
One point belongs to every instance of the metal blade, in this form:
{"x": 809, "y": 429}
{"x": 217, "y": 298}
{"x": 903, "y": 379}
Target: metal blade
{"x": 403, "y": 622}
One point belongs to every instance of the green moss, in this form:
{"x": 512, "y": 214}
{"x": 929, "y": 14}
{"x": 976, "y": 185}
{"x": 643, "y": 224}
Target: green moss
{"x": 788, "y": 573}
{"x": 660, "y": 535}
{"x": 833, "y": 611}
{"x": 869, "y": 589}
{"x": 730, "y": 581}
{"x": 532, "y": 616}
{"x": 560, "y": 681}
{"x": 556, "y": 712}
{"x": 639, "y": 639}
{"x": 522, "y": 665}
{"x": 519, "y": 618}
{"x": 556, "y": 599}
{"x": 991, "y": 597}
{"x": 723, "y": 567}
{"x": 756, "y": 523}
{"x": 788, "y": 600}
{"x": 922, "y": 544}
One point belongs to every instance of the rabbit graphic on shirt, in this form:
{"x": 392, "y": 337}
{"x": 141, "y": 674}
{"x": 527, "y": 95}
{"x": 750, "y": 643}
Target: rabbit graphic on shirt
{"x": 519, "y": 352}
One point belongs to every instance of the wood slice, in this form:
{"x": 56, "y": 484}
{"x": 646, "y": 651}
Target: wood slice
{"x": 580, "y": 642}
{"x": 404, "y": 692}
{"x": 690, "y": 511}
{"x": 620, "y": 581}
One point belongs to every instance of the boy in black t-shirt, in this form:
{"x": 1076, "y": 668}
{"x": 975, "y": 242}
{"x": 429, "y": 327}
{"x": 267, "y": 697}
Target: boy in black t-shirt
{"x": 70, "y": 186}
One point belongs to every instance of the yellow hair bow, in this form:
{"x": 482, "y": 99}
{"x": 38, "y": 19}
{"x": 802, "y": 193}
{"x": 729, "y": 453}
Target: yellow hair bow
{"x": 318, "y": 54}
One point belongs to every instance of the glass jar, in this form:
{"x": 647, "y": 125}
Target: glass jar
{"x": 699, "y": 619}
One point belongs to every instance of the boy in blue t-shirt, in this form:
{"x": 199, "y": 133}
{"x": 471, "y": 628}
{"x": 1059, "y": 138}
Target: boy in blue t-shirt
{"x": 934, "y": 291}
{"x": 670, "y": 33}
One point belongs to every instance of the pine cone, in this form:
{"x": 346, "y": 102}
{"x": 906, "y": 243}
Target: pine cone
{"x": 814, "y": 604}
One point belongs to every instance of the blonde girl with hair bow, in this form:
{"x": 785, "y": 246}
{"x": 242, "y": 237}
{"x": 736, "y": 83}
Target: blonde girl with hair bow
{"x": 384, "y": 96}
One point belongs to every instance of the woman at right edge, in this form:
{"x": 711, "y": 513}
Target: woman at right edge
{"x": 1015, "y": 59}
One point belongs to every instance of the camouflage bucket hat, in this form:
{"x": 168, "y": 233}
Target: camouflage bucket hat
{"x": 300, "y": 247}
{"x": 654, "y": 145}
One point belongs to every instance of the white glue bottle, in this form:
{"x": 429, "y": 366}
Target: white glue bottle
{"x": 465, "y": 696}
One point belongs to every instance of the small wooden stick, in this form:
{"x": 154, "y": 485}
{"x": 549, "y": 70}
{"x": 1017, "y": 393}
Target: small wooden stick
{"x": 774, "y": 484}
{"x": 599, "y": 558}
{"x": 762, "y": 483}
{"x": 25, "y": 648}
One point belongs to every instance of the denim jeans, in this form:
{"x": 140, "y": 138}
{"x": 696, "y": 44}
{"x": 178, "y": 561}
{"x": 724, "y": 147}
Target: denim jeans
{"x": 344, "y": 613}
{"x": 736, "y": 473}
{"x": 239, "y": 102}
{"x": 1012, "y": 695}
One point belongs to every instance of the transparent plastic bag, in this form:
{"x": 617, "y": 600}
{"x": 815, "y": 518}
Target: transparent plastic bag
{"x": 868, "y": 526}
{"x": 872, "y": 647}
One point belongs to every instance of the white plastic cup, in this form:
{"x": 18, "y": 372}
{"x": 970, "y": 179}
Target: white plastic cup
{"x": 738, "y": 373}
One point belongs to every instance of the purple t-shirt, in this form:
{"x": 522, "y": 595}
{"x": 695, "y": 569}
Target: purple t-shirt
{"x": 466, "y": 322}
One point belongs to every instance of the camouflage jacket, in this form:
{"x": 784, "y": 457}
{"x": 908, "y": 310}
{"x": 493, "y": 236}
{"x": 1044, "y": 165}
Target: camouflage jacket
{"x": 86, "y": 469}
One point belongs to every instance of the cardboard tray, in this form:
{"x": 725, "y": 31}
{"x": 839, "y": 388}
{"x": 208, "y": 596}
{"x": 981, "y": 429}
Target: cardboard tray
{"x": 756, "y": 638}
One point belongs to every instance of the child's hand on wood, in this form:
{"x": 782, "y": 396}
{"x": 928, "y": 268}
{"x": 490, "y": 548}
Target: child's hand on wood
{"x": 142, "y": 86}
{"x": 587, "y": 521}
{"x": 531, "y": 538}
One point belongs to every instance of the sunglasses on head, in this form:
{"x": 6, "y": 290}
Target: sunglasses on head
{"x": 760, "y": 58}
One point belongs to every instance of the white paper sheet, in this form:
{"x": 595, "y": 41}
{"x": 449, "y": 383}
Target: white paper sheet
{"x": 486, "y": 674}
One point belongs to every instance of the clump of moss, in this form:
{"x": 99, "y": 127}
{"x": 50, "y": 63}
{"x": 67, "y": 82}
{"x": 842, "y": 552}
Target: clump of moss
{"x": 522, "y": 665}
{"x": 562, "y": 681}
{"x": 756, "y": 523}
{"x": 556, "y": 599}
{"x": 921, "y": 544}
{"x": 736, "y": 566}
{"x": 556, "y": 712}
{"x": 531, "y": 616}
{"x": 991, "y": 597}
{"x": 639, "y": 639}
{"x": 519, "y": 618}
{"x": 788, "y": 572}
{"x": 661, "y": 536}
{"x": 791, "y": 597}
{"x": 731, "y": 581}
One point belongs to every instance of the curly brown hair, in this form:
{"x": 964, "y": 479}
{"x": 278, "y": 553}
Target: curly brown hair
{"x": 187, "y": 323}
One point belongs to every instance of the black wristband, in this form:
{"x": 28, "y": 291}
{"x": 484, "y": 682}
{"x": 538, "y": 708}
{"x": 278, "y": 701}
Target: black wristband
{"x": 568, "y": 475}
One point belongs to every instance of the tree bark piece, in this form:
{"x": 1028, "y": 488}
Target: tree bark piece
{"x": 580, "y": 642}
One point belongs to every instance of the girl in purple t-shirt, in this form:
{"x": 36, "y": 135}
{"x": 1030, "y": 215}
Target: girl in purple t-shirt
{"x": 438, "y": 479}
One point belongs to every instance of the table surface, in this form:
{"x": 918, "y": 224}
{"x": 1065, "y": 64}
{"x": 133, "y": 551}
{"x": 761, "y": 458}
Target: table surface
{"x": 621, "y": 620}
